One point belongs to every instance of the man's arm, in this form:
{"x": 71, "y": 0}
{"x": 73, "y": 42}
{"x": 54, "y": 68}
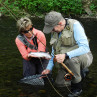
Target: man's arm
{"x": 81, "y": 40}
{"x": 50, "y": 64}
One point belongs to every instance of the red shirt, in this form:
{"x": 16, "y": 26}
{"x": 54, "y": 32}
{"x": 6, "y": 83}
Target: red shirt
{"x": 41, "y": 41}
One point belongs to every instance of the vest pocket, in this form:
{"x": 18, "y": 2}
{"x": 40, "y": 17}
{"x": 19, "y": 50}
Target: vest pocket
{"x": 67, "y": 39}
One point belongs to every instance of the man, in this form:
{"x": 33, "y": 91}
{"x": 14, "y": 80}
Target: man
{"x": 30, "y": 40}
{"x": 70, "y": 46}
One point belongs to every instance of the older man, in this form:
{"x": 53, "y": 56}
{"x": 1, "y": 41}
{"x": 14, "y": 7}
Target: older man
{"x": 70, "y": 46}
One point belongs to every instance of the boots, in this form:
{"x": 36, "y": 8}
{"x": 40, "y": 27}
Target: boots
{"x": 84, "y": 72}
{"x": 76, "y": 89}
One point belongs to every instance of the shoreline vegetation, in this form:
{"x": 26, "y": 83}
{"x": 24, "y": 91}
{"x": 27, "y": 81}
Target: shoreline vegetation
{"x": 83, "y": 16}
{"x": 38, "y": 8}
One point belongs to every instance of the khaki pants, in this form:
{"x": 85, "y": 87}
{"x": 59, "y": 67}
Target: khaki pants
{"x": 75, "y": 64}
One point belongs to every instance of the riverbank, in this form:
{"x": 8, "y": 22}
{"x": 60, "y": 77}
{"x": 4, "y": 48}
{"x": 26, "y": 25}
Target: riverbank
{"x": 38, "y": 15}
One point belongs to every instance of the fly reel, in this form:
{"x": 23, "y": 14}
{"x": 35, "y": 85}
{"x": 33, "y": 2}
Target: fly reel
{"x": 68, "y": 77}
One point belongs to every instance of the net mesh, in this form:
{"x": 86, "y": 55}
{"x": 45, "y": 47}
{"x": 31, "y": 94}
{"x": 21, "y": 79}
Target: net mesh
{"x": 33, "y": 80}
{"x": 42, "y": 87}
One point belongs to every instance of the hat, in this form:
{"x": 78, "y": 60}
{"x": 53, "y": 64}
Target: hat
{"x": 51, "y": 20}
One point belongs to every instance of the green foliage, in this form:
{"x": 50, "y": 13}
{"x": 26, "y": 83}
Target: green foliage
{"x": 9, "y": 6}
{"x": 92, "y": 7}
{"x": 43, "y": 6}
{"x": 72, "y": 7}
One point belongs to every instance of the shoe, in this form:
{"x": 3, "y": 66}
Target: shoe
{"x": 76, "y": 89}
{"x": 75, "y": 93}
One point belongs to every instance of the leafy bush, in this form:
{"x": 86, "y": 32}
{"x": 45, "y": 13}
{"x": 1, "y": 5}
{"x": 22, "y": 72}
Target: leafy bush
{"x": 43, "y": 6}
{"x": 93, "y": 6}
{"x": 9, "y": 7}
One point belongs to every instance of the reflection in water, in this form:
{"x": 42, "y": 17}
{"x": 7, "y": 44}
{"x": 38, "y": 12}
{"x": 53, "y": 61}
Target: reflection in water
{"x": 11, "y": 61}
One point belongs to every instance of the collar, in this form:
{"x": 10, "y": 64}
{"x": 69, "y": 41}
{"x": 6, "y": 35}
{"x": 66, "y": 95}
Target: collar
{"x": 30, "y": 38}
{"x": 66, "y": 19}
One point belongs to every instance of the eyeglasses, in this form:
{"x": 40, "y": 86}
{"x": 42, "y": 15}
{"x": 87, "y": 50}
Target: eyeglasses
{"x": 27, "y": 31}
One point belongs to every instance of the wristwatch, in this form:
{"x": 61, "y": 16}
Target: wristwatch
{"x": 66, "y": 56}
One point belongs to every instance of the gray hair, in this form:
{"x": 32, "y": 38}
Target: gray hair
{"x": 23, "y": 23}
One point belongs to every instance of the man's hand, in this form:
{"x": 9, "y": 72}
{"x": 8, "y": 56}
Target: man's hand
{"x": 46, "y": 71}
{"x": 60, "y": 58}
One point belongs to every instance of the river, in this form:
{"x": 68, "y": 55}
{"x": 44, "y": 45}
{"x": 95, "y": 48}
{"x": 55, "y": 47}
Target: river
{"x": 11, "y": 61}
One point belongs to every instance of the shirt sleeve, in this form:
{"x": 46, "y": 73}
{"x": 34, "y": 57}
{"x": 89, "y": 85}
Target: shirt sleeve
{"x": 81, "y": 40}
{"x": 51, "y": 64}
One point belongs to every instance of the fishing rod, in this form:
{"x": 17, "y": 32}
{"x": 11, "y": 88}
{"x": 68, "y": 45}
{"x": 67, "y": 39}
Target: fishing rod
{"x": 11, "y": 13}
{"x": 71, "y": 73}
{"x": 14, "y": 16}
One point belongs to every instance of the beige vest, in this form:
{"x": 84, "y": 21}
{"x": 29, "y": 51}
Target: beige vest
{"x": 66, "y": 42}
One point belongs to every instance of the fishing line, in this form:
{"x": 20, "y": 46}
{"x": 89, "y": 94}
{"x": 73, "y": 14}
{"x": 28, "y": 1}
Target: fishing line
{"x": 15, "y": 17}
{"x": 11, "y": 13}
{"x": 47, "y": 75}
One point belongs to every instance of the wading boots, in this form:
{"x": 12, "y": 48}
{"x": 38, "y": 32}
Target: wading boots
{"x": 76, "y": 89}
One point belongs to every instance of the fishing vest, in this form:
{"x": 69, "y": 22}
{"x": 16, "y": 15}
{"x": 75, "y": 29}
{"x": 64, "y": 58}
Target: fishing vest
{"x": 26, "y": 43}
{"x": 66, "y": 42}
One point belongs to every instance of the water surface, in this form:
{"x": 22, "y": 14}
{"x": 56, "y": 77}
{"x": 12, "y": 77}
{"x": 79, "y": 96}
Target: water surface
{"x": 11, "y": 61}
